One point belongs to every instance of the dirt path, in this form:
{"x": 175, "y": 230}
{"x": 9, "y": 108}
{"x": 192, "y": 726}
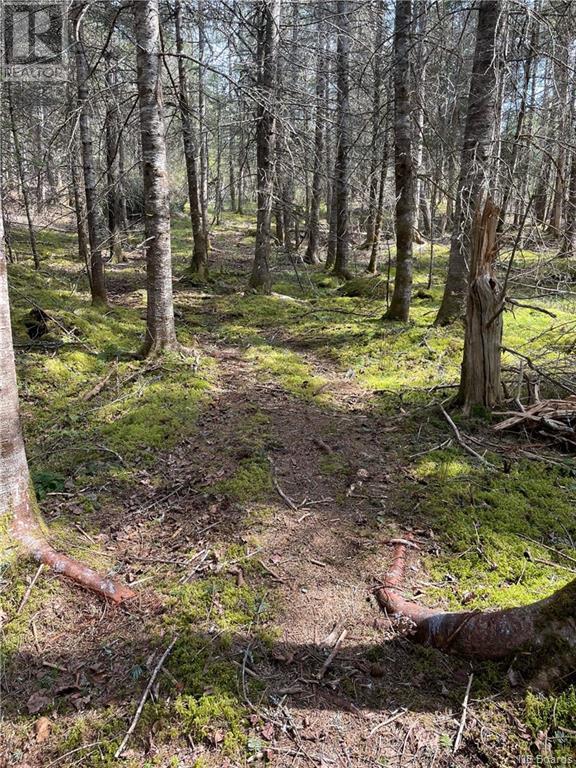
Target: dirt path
{"x": 322, "y": 546}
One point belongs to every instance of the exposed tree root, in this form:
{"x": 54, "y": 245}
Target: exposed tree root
{"x": 533, "y": 628}
{"x": 28, "y": 532}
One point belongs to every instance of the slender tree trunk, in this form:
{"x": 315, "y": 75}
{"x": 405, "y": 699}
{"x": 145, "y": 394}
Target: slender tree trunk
{"x": 569, "y": 240}
{"x": 97, "y": 282}
{"x": 373, "y": 264}
{"x": 160, "y": 329}
{"x": 112, "y": 130}
{"x": 332, "y": 227}
{"x": 199, "y": 263}
{"x": 342, "y": 179}
{"x": 80, "y": 210}
{"x": 522, "y": 111}
{"x": 311, "y": 255}
{"x": 375, "y": 154}
{"x": 475, "y": 159}
{"x": 202, "y": 130}
{"x": 421, "y": 57}
{"x": 480, "y": 380}
{"x": 268, "y": 38}
{"x": 23, "y": 182}
{"x": 405, "y": 175}
{"x": 18, "y": 506}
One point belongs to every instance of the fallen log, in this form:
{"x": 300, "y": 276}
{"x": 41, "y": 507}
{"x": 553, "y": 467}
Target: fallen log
{"x": 536, "y": 629}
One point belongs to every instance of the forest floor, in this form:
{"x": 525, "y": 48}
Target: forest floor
{"x": 248, "y": 494}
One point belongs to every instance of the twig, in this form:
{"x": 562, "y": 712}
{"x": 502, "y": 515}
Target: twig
{"x": 145, "y": 695}
{"x": 376, "y": 728}
{"x": 462, "y": 443}
{"x": 464, "y": 714}
{"x": 333, "y": 653}
{"x": 531, "y": 306}
{"x": 272, "y": 573}
{"x": 279, "y": 490}
{"x": 30, "y": 588}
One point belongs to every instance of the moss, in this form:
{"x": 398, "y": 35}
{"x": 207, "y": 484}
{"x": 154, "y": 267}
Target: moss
{"x": 216, "y": 716}
{"x": 250, "y": 481}
{"x": 99, "y": 733}
{"x": 484, "y": 518}
{"x": 367, "y": 287}
{"x": 333, "y": 465}
{"x": 555, "y": 717}
{"x": 290, "y": 370}
{"x": 228, "y": 606}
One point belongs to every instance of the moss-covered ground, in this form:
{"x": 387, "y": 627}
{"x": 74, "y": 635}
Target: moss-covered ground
{"x": 167, "y": 474}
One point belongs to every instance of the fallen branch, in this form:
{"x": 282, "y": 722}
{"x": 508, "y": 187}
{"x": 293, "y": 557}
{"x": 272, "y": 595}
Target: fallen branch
{"x": 461, "y": 442}
{"x": 279, "y": 490}
{"x": 30, "y": 588}
{"x": 145, "y": 695}
{"x": 333, "y": 653}
{"x": 464, "y": 714}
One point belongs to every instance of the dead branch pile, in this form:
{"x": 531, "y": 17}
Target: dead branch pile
{"x": 549, "y": 418}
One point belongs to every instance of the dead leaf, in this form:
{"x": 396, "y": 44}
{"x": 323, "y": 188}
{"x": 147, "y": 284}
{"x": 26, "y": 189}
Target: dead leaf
{"x": 42, "y": 729}
{"x": 37, "y": 702}
{"x": 267, "y": 731}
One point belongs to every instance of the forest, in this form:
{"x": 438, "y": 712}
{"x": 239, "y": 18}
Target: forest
{"x": 287, "y": 383}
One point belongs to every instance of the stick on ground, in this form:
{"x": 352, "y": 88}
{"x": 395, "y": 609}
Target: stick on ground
{"x": 145, "y": 695}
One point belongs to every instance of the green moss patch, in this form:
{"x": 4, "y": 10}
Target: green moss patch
{"x": 484, "y": 519}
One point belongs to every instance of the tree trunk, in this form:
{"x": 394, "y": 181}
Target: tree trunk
{"x": 332, "y": 227}
{"x": 311, "y": 255}
{"x": 160, "y": 329}
{"x": 23, "y": 182}
{"x": 97, "y": 281}
{"x": 405, "y": 175}
{"x": 268, "y": 38}
{"x": 342, "y": 179}
{"x": 421, "y": 56}
{"x": 373, "y": 263}
{"x": 80, "y": 210}
{"x": 480, "y": 380}
{"x": 376, "y": 129}
{"x": 18, "y": 503}
{"x": 475, "y": 158}
{"x": 569, "y": 239}
{"x": 535, "y": 631}
{"x": 202, "y": 130}
{"x": 522, "y": 111}
{"x": 199, "y": 263}
{"x": 112, "y": 130}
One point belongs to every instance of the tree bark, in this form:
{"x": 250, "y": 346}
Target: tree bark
{"x": 160, "y": 329}
{"x": 405, "y": 172}
{"x": 311, "y": 255}
{"x": 535, "y": 629}
{"x": 202, "y": 130}
{"x": 480, "y": 380}
{"x": 373, "y": 263}
{"x": 23, "y": 182}
{"x": 268, "y": 38}
{"x": 475, "y": 158}
{"x": 97, "y": 281}
{"x": 17, "y": 499}
{"x": 112, "y": 130}
{"x": 522, "y": 112}
{"x": 342, "y": 179}
{"x": 199, "y": 262}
